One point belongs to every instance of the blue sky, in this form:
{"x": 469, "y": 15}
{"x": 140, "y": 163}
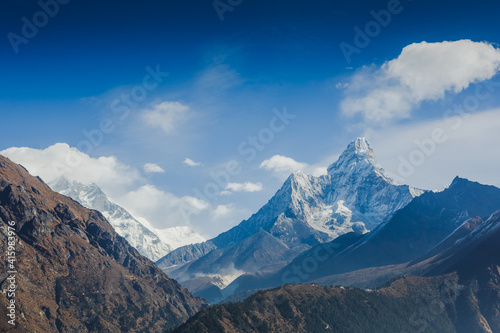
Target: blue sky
{"x": 224, "y": 80}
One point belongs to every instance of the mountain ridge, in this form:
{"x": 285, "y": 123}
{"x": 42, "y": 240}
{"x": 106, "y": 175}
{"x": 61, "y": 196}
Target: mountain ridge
{"x": 459, "y": 292}
{"x": 412, "y": 232}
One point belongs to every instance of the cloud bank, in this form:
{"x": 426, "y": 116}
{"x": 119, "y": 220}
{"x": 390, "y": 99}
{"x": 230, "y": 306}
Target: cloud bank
{"x": 282, "y": 166}
{"x": 124, "y": 184}
{"x": 422, "y": 72}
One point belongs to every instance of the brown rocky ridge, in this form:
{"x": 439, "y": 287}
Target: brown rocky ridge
{"x": 74, "y": 272}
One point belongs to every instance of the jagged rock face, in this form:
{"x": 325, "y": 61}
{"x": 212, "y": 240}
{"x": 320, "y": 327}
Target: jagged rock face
{"x": 475, "y": 256}
{"x": 427, "y": 226}
{"x": 75, "y": 273}
{"x": 420, "y": 226}
{"x": 356, "y": 195}
{"x": 461, "y": 292}
{"x": 151, "y": 243}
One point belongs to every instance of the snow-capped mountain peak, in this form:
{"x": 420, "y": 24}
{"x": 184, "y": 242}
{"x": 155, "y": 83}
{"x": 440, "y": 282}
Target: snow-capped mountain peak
{"x": 355, "y": 195}
{"x": 360, "y": 147}
{"x": 357, "y": 162}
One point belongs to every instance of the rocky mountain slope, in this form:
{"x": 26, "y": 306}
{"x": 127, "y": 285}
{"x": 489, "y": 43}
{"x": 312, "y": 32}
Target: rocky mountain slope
{"x": 397, "y": 308}
{"x": 150, "y": 242}
{"x": 74, "y": 272}
{"x": 460, "y": 293}
{"x": 424, "y": 227}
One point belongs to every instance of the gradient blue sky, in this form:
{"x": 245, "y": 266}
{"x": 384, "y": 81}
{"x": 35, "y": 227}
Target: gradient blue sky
{"x": 230, "y": 75}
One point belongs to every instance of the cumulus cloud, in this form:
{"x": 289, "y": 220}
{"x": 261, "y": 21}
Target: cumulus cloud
{"x": 166, "y": 115}
{"x": 283, "y": 166}
{"x": 149, "y": 204}
{"x": 162, "y": 208}
{"x": 244, "y": 187}
{"x": 422, "y": 72}
{"x": 153, "y": 168}
{"x": 190, "y": 162}
{"x": 222, "y": 211}
{"x": 62, "y": 160}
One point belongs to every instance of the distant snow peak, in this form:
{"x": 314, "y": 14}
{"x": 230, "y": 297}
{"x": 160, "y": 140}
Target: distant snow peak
{"x": 150, "y": 242}
{"x": 357, "y": 151}
{"x": 361, "y": 146}
{"x": 358, "y": 160}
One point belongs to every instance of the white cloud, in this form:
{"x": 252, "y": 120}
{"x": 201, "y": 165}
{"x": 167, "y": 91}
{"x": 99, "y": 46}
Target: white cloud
{"x": 283, "y": 166}
{"x": 124, "y": 185}
{"x": 162, "y": 208}
{"x": 153, "y": 168}
{"x": 166, "y": 115}
{"x": 244, "y": 187}
{"x": 190, "y": 162}
{"x": 62, "y": 160}
{"x": 222, "y": 210}
{"x": 422, "y": 72}
{"x": 223, "y": 218}
{"x": 318, "y": 171}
